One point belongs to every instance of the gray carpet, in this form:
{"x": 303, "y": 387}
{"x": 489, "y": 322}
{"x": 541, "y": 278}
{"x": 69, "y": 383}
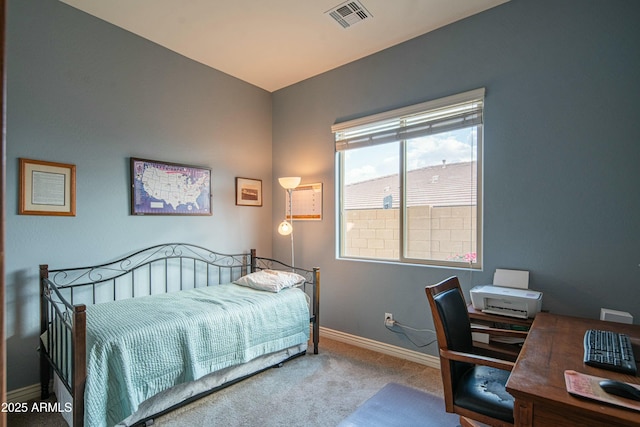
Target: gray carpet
{"x": 313, "y": 390}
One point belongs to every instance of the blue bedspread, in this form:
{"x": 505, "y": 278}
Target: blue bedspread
{"x": 139, "y": 347}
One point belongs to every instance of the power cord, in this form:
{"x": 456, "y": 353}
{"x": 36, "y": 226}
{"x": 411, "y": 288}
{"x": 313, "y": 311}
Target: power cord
{"x": 389, "y": 324}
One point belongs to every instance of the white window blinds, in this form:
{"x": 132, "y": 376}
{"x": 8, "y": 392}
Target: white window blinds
{"x": 441, "y": 115}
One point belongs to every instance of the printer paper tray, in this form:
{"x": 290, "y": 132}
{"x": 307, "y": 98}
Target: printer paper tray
{"x": 509, "y": 313}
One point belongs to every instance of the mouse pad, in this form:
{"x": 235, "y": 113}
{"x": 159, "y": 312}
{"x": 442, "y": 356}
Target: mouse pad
{"x": 588, "y": 386}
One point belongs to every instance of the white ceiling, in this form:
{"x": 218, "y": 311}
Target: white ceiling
{"x": 275, "y": 43}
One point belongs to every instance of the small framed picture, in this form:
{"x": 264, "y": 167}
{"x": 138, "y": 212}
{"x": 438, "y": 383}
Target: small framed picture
{"x": 47, "y": 188}
{"x": 248, "y": 192}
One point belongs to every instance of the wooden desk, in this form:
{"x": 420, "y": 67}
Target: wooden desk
{"x": 554, "y": 344}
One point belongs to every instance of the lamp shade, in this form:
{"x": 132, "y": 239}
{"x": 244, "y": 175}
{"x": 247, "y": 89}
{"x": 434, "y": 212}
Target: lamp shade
{"x": 285, "y": 228}
{"x": 289, "y": 182}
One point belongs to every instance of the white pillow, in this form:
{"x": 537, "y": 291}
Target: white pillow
{"x": 271, "y": 280}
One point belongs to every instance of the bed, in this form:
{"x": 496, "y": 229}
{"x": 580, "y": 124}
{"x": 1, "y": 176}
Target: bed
{"x": 137, "y": 337}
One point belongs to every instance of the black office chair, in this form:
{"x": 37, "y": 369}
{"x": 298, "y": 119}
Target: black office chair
{"x": 474, "y": 385}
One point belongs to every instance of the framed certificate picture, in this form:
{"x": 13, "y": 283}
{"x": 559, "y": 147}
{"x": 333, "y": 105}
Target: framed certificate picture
{"x": 47, "y": 188}
{"x": 307, "y": 202}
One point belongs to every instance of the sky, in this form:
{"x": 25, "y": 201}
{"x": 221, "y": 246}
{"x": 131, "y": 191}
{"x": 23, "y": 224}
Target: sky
{"x": 381, "y": 160}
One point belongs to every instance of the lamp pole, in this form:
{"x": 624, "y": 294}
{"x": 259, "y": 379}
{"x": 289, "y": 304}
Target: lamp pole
{"x": 285, "y": 227}
{"x": 290, "y": 191}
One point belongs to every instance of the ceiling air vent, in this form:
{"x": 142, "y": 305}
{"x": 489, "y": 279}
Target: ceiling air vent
{"x": 349, "y": 13}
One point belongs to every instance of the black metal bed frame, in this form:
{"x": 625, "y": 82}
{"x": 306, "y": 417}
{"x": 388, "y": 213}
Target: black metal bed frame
{"x": 65, "y": 293}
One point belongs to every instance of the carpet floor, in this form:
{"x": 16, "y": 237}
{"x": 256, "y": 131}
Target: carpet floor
{"x": 313, "y": 390}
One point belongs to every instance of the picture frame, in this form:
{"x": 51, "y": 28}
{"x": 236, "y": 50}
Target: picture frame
{"x": 307, "y": 202}
{"x": 248, "y": 192}
{"x": 167, "y": 188}
{"x": 47, "y": 188}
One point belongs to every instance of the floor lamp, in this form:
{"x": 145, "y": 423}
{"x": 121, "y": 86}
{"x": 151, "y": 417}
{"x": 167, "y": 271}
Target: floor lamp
{"x": 286, "y": 228}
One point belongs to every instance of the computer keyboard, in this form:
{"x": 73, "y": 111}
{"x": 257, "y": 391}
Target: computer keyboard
{"x": 609, "y": 350}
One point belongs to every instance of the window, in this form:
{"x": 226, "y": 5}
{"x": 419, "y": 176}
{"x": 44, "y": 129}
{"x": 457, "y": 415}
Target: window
{"x": 409, "y": 183}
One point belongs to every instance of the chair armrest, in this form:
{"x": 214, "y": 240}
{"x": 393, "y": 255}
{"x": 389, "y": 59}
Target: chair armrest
{"x": 477, "y": 359}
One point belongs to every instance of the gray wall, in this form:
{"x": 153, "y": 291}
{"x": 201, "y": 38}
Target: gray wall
{"x": 84, "y": 92}
{"x": 561, "y": 157}
{"x": 561, "y": 154}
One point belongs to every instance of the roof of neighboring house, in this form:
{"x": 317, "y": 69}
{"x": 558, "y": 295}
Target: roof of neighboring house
{"x": 451, "y": 184}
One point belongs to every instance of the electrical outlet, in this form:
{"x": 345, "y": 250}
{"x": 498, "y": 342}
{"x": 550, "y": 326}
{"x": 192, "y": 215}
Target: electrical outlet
{"x": 388, "y": 319}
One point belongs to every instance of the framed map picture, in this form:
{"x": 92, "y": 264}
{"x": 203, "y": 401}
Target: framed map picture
{"x": 161, "y": 188}
{"x": 248, "y": 192}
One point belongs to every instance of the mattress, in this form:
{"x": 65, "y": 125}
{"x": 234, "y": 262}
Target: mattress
{"x": 137, "y": 348}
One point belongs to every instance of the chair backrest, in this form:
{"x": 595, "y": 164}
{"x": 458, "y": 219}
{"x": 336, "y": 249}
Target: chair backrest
{"x": 452, "y": 324}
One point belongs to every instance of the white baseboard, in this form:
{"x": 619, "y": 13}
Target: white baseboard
{"x": 24, "y": 394}
{"x": 380, "y": 347}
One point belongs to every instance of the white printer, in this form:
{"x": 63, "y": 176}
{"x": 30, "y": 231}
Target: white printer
{"x": 522, "y": 303}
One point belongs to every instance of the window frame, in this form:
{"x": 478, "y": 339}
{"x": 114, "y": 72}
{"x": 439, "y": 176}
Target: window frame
{"x": 386, "y": 120}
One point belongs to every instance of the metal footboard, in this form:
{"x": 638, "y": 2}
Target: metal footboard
{"x": 62, "y": 343}
{"x": 311, "y": 287}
